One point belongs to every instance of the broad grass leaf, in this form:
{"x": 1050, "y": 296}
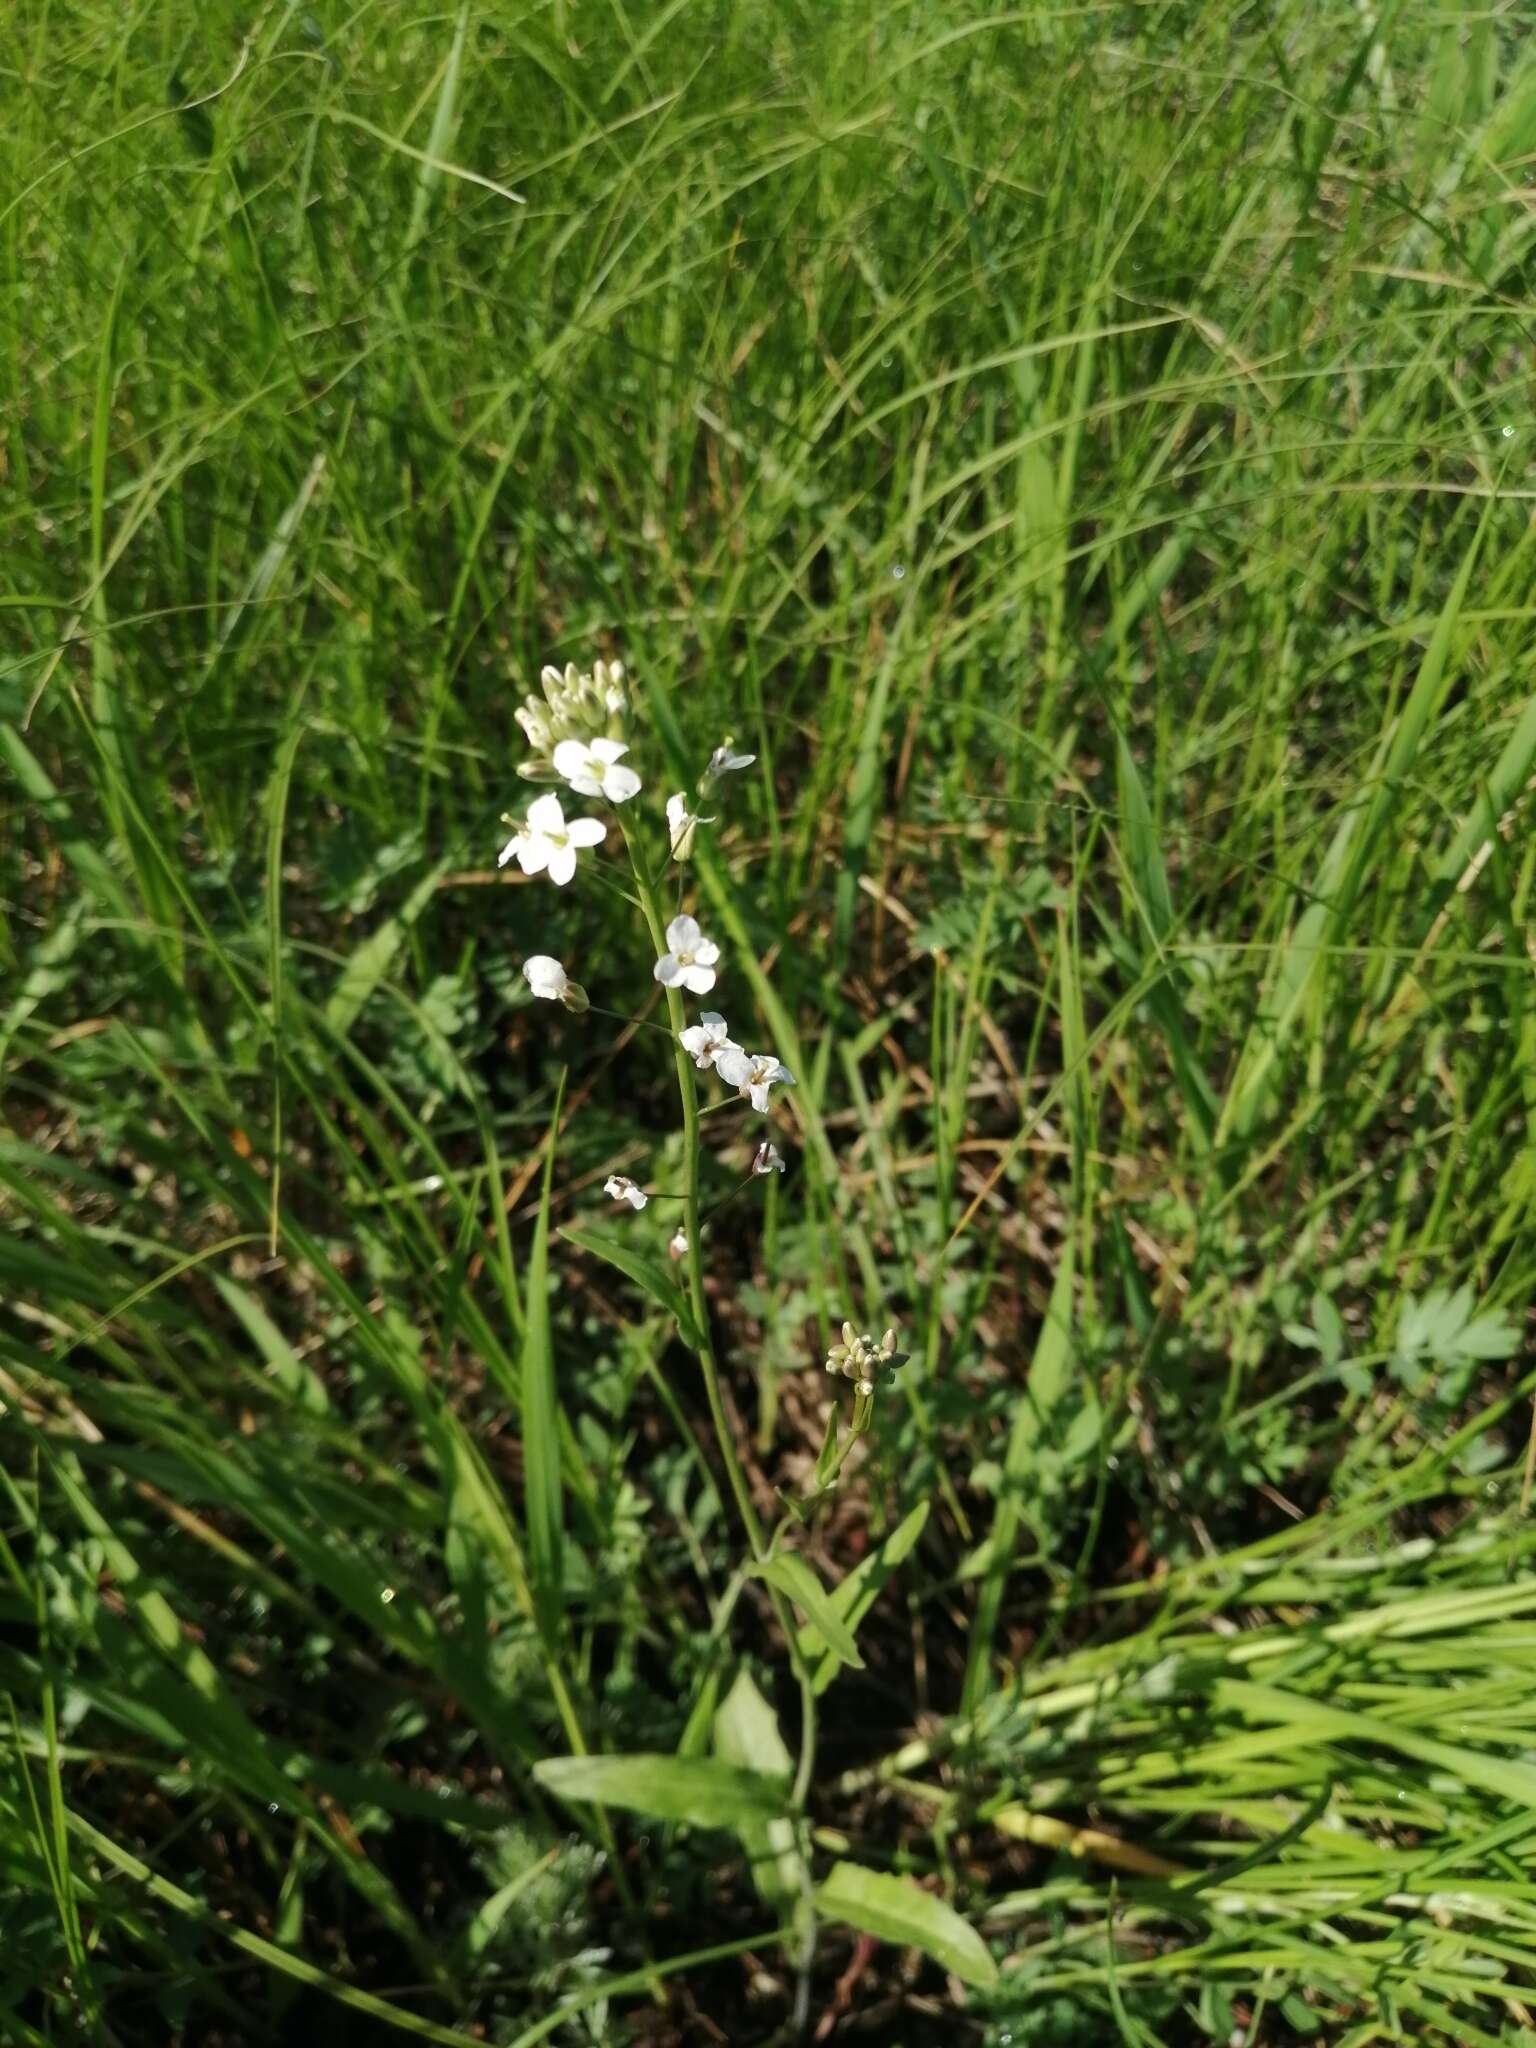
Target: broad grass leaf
{"x": 747, "y": 1734}
{"x": 541, "y": 1433}
{"x": 897, "y": 1910}
{"x": 648, "y": 1274}
{"x": 852, "y": 1600}
{"x": 794, "y": 1577}
{"x": 1032, "y": 1421}
{"x": 701, "y": 1790}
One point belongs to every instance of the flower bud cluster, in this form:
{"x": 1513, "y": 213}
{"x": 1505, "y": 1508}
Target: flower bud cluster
{"x": 576, "y": 706}
{"x": 862, "y": 1359}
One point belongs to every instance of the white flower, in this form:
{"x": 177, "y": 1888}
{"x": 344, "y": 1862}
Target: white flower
{"x": 682, "y": 824}
{"x": 723, "y": 762}
{"x": 690, "y": 962}
{"x": 546, "y": 977}
{"x": 769, "y": 1160}
{"x": 706, "y": 1040}
{"x": 677, "y": 1244}
{"x": 752, "y": 1073}
{"x": 547, "y": 841}
{"x": 593, "y": 769}
{"x": 623, "y": 1189}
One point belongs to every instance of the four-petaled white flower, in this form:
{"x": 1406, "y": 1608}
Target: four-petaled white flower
{"x": 723, "y": 762}
{"x": 769, "y": 1160}
{"x": 705, "y": 1041}
{"x": 752, "y": 1073}
{"x": 677, "y": 1244}
{"x": 595, "y": 769}
{"x": 690, "y": 959}
{"x": 682, "y": 824}
{"x": 623, "y": 1189}
{"x": 547, "y": 841}
{"x": 546, "y": 977}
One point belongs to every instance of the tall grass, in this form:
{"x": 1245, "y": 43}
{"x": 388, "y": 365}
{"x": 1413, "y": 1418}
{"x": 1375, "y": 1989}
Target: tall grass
{"x": 1085, "y": 454}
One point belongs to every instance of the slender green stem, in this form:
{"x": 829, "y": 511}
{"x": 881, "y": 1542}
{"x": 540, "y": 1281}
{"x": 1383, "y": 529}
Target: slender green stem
{"x": 689, "y": 1095}
{"x": 861, "y": 1413}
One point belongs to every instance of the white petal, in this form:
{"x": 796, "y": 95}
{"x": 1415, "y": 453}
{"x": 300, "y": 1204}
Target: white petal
{"x": 545, "y": 976}
{"x": 699, "y": 979}
{"x": 509, "y": 849}
{"x": 694, "y": 1039}
{"x": 545, "y": 814}
{"x": 636, "y": 1197}
{"x": 759, "y": 1094}
{"x": 732, "y": 1065}
{"x": 782, "y": 1073}
{"x": 667, "y": 971}
{"x": 586, "y": 831}
{"x": 620, "y": 784}
{"x": 677, "y": 810}
{"x": 609, "y": 750}
{"x": 706, "y": 952}
{"x": 532, "y": 854}
{"x": 570, "y": 758}
{"x": 713, "y": 1023}
{"x": 683, "y": 934}
{"x": 562, "y": 864}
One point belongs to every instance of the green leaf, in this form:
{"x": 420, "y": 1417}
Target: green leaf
{"x": 852, "y": 1600}
{"x": 371, "y": 962}
{"x": 541, "y": 1433}
{"x": 1363, "y": 823}
{"x": 793, "y": 1576}
{"x": 702, "y": 1790}
{"x": 1329, "y": 1325}
{"x": 897, "y": 1910}
{"x": 648, "y": 1274}
{"x": 747, "y": 1734}
{"x": 298, "y": 1381}
{"x": 440, "y": 140}
{"x": 1031, "y": 1422}
{"x": 747, "y": 1730}
{"x": 1154, "y": 907}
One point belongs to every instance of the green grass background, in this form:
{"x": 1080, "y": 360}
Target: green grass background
{"x": 1086, "y": 453}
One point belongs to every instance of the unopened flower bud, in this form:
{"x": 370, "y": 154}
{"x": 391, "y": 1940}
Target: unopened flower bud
{"x": 534, "y": 719}
{"x": 862, "y": 1360}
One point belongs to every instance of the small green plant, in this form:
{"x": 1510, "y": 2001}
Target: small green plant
{"x": 583, "y": 734}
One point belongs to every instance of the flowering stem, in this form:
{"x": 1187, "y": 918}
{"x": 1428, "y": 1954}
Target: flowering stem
{"x": 690, "y": 1101}
{"x": 688, "y": 1091}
